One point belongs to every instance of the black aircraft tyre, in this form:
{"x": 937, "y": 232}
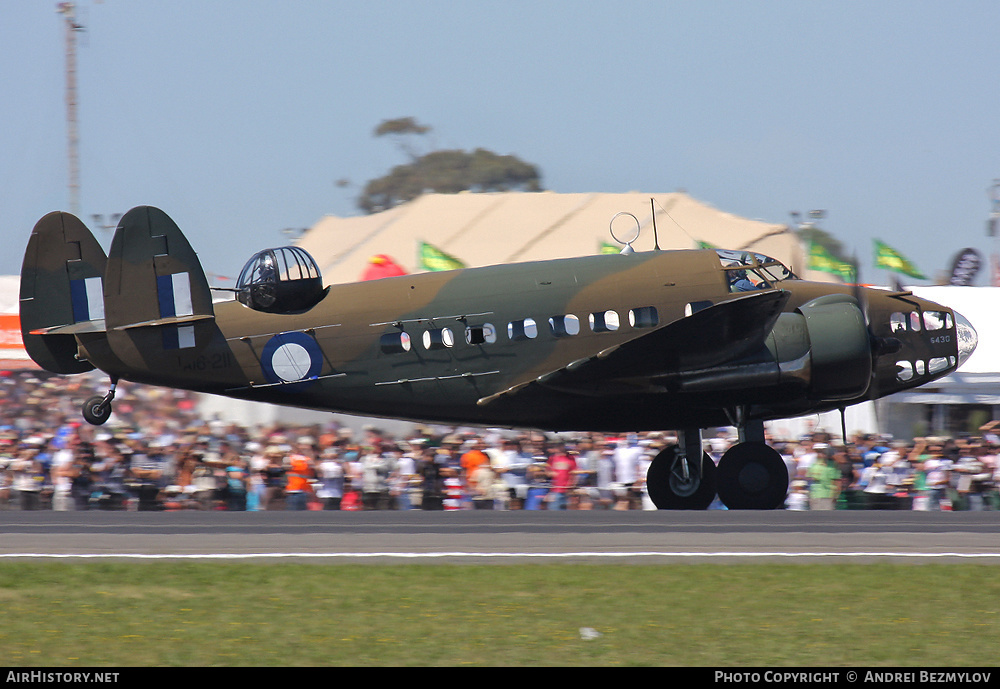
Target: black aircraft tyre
{"x": 96, "y": 411}
{"x": 752, "y": 476}
{"x": 670, "y": 492}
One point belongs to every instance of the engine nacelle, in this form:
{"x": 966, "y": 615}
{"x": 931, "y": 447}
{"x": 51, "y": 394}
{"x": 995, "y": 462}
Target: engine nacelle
{"x": 840, "y": 347}
{"x": 823, "y": 347}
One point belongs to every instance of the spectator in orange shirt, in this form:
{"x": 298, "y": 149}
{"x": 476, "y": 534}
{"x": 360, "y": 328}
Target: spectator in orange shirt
{"x": 471, "y": 461}
{"x": 300, "y": 470}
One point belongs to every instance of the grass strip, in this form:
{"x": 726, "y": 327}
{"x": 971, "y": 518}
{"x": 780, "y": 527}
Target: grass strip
{"x": 286, "y": 614}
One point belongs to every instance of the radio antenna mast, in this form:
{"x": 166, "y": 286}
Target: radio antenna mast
{"x": 68, "y": 10}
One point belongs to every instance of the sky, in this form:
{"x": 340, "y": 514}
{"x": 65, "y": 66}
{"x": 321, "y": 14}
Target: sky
{"x": 238, "y": 118}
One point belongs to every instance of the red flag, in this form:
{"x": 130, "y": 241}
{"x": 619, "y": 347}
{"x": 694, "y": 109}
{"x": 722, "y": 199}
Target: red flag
{"x": 381, "y": 266}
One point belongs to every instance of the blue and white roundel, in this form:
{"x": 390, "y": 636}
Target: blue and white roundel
{"x": 291, "y": 358}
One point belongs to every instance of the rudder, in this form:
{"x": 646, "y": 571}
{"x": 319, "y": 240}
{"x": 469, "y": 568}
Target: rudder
{"x": 61, "y": 291}
{"x": 156, "y": 296}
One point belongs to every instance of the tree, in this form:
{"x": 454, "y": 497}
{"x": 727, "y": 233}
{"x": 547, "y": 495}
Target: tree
{"x": 401, "y": 125}
{"x": 401, "y": 129}
{"x": 444, "y": 171}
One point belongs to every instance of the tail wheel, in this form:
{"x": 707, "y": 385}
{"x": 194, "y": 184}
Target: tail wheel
{"x": 673, "y": 486}
{"x": 97, "y": 410}
{"x": 752, "y": 476}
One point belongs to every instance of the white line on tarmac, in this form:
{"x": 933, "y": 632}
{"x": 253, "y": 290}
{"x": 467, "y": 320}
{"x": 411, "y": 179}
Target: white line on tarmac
{"x": 473, "y": 555}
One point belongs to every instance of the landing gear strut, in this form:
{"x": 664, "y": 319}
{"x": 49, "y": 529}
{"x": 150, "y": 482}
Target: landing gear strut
{"x": 682, "y": 477}
{"x": 97, "y": 409}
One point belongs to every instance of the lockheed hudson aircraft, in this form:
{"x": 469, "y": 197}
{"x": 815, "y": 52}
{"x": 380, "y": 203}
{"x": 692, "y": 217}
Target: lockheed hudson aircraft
{"x": 680, "y": 340}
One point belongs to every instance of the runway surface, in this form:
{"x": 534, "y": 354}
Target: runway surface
{"x": 505, "y": 537}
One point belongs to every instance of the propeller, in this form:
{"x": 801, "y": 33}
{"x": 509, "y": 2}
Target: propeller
{"x": 862, "y": 298}
{"x": 879, "y": 345}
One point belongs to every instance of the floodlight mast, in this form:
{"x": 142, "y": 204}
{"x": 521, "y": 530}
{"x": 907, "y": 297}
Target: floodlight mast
{"x": 68, "y": 10}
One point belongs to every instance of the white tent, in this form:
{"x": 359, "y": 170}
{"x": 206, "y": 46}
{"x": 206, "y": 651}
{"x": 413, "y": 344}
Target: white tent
{"x": 489, "y": 228}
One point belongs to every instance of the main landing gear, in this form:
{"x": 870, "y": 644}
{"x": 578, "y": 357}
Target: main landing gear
{"x": 97, "y": 409}
{"x": 682, "y": 477}
{"x": 750, "y": 475}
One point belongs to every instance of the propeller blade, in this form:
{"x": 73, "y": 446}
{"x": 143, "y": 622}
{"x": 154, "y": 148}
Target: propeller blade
{"x": 878, "y": 345}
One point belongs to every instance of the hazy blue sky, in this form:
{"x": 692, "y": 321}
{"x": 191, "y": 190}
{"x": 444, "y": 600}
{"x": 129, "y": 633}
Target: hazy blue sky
{"x": 237, "y": 118}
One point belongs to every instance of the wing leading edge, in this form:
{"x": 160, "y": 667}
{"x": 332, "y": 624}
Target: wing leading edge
{"x": 720, "y": 333}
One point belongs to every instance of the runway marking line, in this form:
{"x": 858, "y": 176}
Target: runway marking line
{"x": 441, "y": 555}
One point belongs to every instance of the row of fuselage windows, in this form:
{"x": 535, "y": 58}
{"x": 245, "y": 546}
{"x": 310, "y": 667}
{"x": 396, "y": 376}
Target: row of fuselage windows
{"x": 566, "y": 325}
{"x": 915, "y": 322}
{"x": 906, "y": 370}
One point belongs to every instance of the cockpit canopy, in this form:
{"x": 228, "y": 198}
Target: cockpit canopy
{"x": 281, "y": 280}
{"x": 746, "y": 270}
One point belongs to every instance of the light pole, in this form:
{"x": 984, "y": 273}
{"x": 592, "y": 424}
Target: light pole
{"x": 991, "y": 230}
{"x": 110, "y": 225}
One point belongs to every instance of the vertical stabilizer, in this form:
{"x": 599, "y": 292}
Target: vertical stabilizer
{"x": 156, "y": 297}
{"x": 61, "y": 291}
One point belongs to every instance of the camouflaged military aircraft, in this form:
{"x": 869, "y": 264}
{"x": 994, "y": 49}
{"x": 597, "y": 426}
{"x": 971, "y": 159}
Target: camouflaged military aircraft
{"x": 661, "y": 340}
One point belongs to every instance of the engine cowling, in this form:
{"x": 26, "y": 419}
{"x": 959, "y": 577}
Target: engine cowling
{"x": 840, "y": 347}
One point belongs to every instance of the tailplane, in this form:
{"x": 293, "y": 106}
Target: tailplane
{"x": 61, "y": 292}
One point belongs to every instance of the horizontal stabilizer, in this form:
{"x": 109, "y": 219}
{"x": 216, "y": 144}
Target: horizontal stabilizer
{"x": 173, "y": 320}
{"x": 715, "y": 335}
{"x": 62, "y": 292}
{"x": 86, "y": 327}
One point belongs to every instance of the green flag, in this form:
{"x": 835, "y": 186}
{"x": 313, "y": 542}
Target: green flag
{"x": 890, "y": 259}
{"x": 432, "y": 258}
{"x": 706, "y": 245}
{"x": 821, "y": 259}
{"x": 609, "y": 248}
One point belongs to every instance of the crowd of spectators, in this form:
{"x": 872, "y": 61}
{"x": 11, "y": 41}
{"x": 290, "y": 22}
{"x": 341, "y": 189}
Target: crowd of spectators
{"x": 157, "y": 453}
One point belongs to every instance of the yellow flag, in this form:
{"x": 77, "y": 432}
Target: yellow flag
{"x": 822, "y": 260}
{"x": 432, "y": 258}
{"x": 890, "y": 259}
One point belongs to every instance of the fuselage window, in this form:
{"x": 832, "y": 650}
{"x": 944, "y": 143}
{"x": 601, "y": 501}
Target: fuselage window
{"x": 934, "y": 320}
{"x": 564, "y": 326}
{"x": 905, "y": 371}
{"x": 395, "y": 343}
{"x": 604, "y": 321}
{"x": 439, "y": 338}
{"x": 525, "y": 329}
{"x": 920, "y": 367}
{"x": 937, "y": 364}
{"x": 914, "y": 321}
{"x": 897, "y": 322}
{"x": 480, "y": 334}
{"x": 643, "y": 317}
{"x": 694, "y": 307}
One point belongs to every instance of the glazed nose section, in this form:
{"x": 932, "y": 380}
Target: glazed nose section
{"x": 967, "y": 338}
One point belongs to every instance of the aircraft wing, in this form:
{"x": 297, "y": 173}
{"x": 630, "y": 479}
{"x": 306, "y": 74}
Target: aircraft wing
{"x": 720, "y": 333}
